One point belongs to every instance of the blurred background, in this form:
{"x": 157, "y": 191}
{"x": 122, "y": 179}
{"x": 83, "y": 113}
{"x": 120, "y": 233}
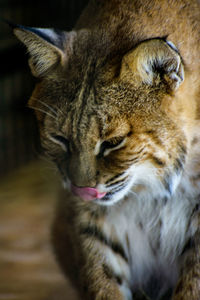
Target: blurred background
{"x": 28, "y": 186}
{"x": 18, "y": 133}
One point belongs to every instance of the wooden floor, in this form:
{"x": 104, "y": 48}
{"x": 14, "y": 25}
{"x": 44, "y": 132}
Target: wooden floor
{"x": 28, "y": 270}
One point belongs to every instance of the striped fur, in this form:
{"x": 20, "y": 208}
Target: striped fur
{"x": 118, "y": 111}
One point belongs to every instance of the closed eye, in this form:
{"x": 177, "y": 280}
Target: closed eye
{"x": 60, "y": 140}
{"x": 110, "y": 145}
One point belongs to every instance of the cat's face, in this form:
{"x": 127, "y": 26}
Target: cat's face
{"x": 105, "y": 123}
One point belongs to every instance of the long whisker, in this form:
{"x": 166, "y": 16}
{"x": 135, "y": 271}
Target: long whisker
{"x": 48, "y": 106}
{"x": 58, "y": 109}
{"x": 133, "y": 193}
{"x": 51, "y": 108}
{"x": 43, "y": 111}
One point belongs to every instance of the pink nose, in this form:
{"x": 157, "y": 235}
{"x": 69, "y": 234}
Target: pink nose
{"x": 87, "y": 193}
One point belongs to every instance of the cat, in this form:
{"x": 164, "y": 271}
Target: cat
{"x": 117, "y": 103}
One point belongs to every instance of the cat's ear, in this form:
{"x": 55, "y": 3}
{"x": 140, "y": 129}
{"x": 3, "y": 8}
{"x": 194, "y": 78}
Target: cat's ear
{"x": 46, "y": 47}
{"x": 153, "y": 62}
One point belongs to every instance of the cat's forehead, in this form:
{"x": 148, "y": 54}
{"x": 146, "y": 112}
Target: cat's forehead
{"x": 95, "y": 122}
{"x": 101, "y": 110}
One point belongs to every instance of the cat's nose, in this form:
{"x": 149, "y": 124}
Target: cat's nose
{"x": 87, "y": 193}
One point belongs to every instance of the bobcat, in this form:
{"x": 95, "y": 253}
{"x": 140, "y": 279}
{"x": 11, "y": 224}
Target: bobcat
{"x": 117, "y": 103}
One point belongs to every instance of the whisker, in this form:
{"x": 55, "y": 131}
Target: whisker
{"x": 133, "y": 193}
{"x": 43, "y": 111}
{"x": 50, "y": 165}
{"x": 48, "y": 106}
{"x": 51, "y": 108}
{"x": 60, "y": 111}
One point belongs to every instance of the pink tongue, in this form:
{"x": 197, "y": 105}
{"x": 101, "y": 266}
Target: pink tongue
{"x": 87, "y": 193}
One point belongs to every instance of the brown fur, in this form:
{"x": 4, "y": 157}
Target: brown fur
{"x": 116, "y": 78}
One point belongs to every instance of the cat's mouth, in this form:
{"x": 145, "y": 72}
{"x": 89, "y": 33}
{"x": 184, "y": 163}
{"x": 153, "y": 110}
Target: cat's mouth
{"x": 89, "y": 194}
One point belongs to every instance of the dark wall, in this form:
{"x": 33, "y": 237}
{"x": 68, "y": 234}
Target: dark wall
{"x": 18, "y": 130}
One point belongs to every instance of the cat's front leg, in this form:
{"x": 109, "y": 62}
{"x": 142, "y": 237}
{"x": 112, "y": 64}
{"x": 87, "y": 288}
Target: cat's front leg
{"x": 97, "y": 266}
{"x": 188, "y": 287}
{"x": 98, "y": 286}
{"x": 104, "y": 274}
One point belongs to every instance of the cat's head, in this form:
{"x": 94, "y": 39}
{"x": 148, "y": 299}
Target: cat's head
{"x": 107, "y": 118}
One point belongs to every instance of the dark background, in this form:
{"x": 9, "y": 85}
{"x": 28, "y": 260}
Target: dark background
{"x": 28, "y": 185}
{"x": 18, "y": 131}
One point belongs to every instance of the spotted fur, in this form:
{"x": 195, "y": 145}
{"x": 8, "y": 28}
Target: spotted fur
{"x": 117, "y": 104}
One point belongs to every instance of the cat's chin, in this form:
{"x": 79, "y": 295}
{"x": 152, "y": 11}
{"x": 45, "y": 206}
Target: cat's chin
{"x": 112, "y": 198}
{"x": 109, "y": 200}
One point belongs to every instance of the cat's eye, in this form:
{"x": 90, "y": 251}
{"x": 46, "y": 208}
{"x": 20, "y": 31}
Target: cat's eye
{"x": 60, "y": 140}
{"x": 111, "y": 145}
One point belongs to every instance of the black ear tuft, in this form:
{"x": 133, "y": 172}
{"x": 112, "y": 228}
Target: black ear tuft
{"x": 11, "y": 24}
{"x": 47, "y": 47}
{"x": 51, "y": 35}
